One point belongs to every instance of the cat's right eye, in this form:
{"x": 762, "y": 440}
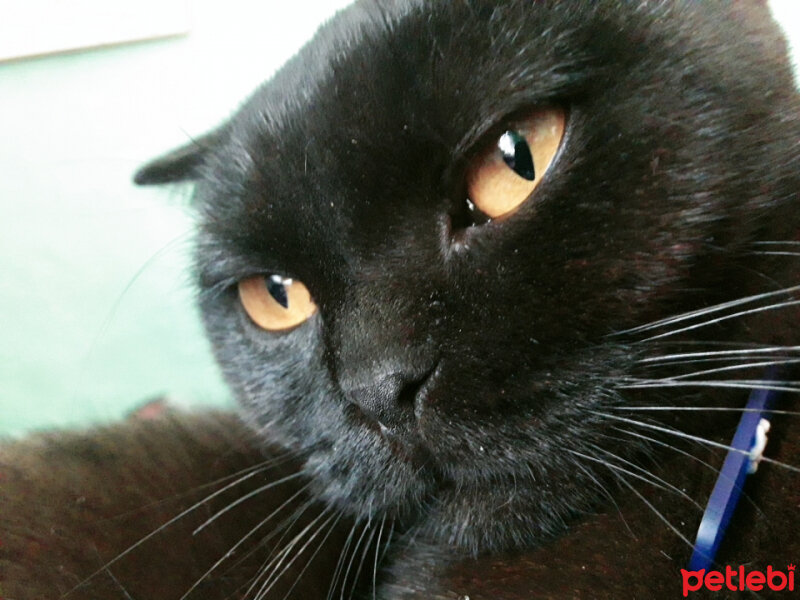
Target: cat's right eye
{"x": 511, "y": 166}
{"x": 276, "y": 303}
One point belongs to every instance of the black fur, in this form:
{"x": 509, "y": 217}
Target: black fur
{"x": 465, "y": 384}
{"x": 345, "y": 171}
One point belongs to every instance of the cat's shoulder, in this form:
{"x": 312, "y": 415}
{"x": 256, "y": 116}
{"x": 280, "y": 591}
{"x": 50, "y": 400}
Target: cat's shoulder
{"x": 138, "y": 509}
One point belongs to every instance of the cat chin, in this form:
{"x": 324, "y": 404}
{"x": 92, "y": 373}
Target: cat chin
{"x": 481, "y": 518}
{"x": 361, "y": 474}
{"x": 494, "y": 518}
{"x": 480, "y": 505}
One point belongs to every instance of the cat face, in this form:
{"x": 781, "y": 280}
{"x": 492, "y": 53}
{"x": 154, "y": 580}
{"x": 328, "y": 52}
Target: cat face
{"x": 434, "y": 303}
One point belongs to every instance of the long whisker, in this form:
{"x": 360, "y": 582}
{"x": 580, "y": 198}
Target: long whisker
{"x": 791, "y": 413}
{"x": 118, "y": 584}
{"x": 607, "y": 494}
{"x": 655, "y": 478}
{"x": 728, "y": 368}
{"x": 776, "y": 253}
{"x": 375, "y": 566}
{"x": 611, "y": 465}
{"x": 657, "y": 512}
{"x": 777, "y": 243}
{"x": 271, "y": 566}
{"x": 622, "y": 480}
{"x": 747, "y": 352}
{"x": 734, "y": 361}
{"x": 238, "y": 544}
{"x": 314, "y": 555}
{"x": 276, "y": 575}
{"x": 262, "y": 466}
{"x": 173, "y": 520}
{"x": 710, "y": 344}
{"x": 388, "y": 542}
{"x": 285, "y": 527}
{"x": 352, "y": 559}
{"x": 748, "y": 384}
{"x": 716, "y": 320}
{"x": 708, "y": 465}
{"x": 709, "y": 310}
{"x": 364, "y": 554}
{"x": 246, "y": 497}
{"x": 340, "y": 563}
{"x": 695, "y": 438}
{"x": 104, "y": 325}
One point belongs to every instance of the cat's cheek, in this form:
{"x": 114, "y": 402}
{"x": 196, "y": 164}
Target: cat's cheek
{"x": 278, "y": 380}
{"x": 285, "y": 393}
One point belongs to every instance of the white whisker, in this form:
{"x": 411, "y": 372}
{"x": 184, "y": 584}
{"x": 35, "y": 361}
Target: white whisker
{"x": 244, "y": 498}
{"x": 284, "y": 527}
{"x": 735, "y": 315}
{"x": 747, "y": 384}
{"x": 238, "y": 544}
{"x": 708, "y": 310}
{"x": 735, "y": 360}
{"x": 118, "y": 584}
{"x": 314, "y": 555}
{"x": 352, "y": 559}
{"x": 716, "y": 470}
{"x": 173, "y": 520}
{"x": 665, "y": 486}
{"x": 721, "y": 353}
{"x": 694, "y": 438}
{"x": 777, "y": 243}
{"x": 364, "y": 554}
{"x": 388, "y": 542}
{"x": 703, "y": 409}
{"x": 658, "y": 513}
{"x": 725, "y": 369}
{"x": 340, "y": 563}
{"x": 276, "y": 575}
{"x": 262, "y": 466}
{"x": 664, "y": 483}
{"x": 643, "y": 499}
{"x": 375, "y": 567}
{"x": 607, "y": 494}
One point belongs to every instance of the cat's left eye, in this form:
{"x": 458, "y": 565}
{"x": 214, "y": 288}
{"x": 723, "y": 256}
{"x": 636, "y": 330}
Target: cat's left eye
{"x": 276, "y": 303}
{"x": 505, "y": 174}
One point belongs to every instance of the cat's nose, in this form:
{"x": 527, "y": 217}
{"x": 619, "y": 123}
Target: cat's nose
{"x": 389, "y": 399}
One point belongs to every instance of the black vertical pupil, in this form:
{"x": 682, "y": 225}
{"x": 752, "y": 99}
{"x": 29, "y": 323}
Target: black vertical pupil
{"x": 517, "y": 154}
{"x": 277, "y": 290}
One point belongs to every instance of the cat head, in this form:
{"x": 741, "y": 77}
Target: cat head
{"x": 426, "y": 245}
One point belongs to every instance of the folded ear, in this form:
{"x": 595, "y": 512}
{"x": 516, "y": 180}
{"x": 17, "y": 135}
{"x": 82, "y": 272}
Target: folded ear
{"x": 182, "y": 164}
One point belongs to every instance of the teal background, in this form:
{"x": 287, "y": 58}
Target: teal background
{"x": 96, "y": 311}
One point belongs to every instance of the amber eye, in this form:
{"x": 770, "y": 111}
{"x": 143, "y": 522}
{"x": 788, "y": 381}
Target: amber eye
{"x": 275, "y": 303}
{"x": 505, "y": 174}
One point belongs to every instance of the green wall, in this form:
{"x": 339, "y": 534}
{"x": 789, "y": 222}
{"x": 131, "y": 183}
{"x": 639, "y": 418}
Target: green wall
{"x": 96, "y": 312}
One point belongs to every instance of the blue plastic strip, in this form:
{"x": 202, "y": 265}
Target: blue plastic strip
{"x": 728, "y": 488}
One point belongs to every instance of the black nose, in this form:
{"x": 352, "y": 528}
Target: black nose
{"x": 389, "y": 399}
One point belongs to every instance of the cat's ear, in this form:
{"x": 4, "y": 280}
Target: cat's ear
{"x": 181, "y": 164}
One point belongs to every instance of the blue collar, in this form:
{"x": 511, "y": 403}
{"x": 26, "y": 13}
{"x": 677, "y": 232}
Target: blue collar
{"x": 742, "y": 459}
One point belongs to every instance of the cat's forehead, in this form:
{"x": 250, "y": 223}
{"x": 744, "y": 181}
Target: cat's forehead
{"x": 390, "y": 94}
{"x": 402, "y": 60}
{"x": 386, "y": 80}
{"x": 445, "y": 70}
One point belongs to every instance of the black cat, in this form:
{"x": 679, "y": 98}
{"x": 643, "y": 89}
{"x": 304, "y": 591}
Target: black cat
{"x": 492, "y": 281}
